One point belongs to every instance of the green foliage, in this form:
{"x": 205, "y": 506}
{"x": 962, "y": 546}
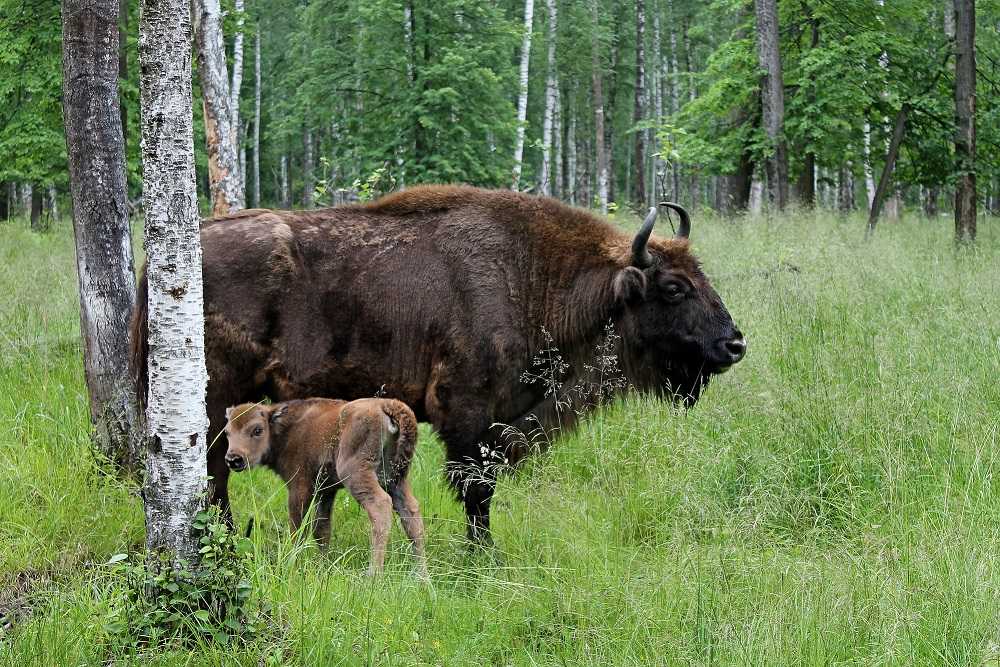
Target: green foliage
{"x": 169, "y": 601}
{"x": 830, "y": 500}
{"x": 32, "y": 146}
{"x": 376, "y": 184}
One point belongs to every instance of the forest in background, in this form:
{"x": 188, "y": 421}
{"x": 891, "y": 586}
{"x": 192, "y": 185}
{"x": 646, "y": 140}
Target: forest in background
{"x": 372, "y": 96}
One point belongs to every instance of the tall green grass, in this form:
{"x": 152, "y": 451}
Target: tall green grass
{"x": 833, "y": 499}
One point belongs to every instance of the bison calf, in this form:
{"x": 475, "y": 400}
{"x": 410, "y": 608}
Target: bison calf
{"x": 318, "y": 445}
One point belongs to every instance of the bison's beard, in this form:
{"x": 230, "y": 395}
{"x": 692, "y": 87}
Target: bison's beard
{"x": 681, "y": 383}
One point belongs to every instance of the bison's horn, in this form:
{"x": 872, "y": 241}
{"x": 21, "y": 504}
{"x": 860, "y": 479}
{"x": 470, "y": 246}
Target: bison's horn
{"x": 684, "y": 230}
{"x": 640, "y": 256}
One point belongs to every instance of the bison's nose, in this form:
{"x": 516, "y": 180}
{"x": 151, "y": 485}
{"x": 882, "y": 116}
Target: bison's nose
{"x": 736, "y": 347}
{"x": 236, "y": 462}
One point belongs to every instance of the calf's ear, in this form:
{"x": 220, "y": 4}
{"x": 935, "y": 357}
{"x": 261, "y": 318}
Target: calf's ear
{"x": 229, "y": 411}
{"x": 630, "y": 285}
{"x": 277, "y": 413}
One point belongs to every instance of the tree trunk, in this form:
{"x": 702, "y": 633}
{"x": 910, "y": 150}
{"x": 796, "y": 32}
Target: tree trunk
{"x": 122, "y": 71}
{"x": 890, "y": 163}
{"x": 256, "y": 120}
{"x": 772, "y": 101}
{"x": 237, "y": 81}
{"x": 965, "y": 120}
{"x": 675, "y": 103}
{"x": 176, "y": 420}
{"x": 845, "y": 188}
{"x": 869, "y": 170}
{"x": 522, "y": 96}
{"x": 307, "y": 168}
{"x": 53, "y": 203}
{"x": 551, "y": 95}
{"x": 639, "y": 110}
{"x": 223, "y": 162}
{"x": 557, "y": 145}
{"x": 95, "y": 146}
{"x": 286, "y": 196}
{"x": 4, "y": 201}
{"x": 931, "y": 201}
{"x": 571, "y": 176}
{"x": 36, "y": 209}
{"x": 597, "y": 77}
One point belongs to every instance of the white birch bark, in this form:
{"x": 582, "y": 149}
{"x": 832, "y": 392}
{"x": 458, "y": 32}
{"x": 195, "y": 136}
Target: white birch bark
{"x": 522, "y": 96}
{"x": 571, "y": 176}
{"x": 223, "y": 160}
{"x": 557, "y": 145}
{"x": 175, "y": 417}
{"x": 307, "y": 168}
{"x": 869, "y": 172}
{"x": 551, "y": 90}
{"x": 639, "y": 110}
{"x": 598, "y": 91}
{"x": 286, "y": 197}
{"x": 237, "y": 81}
{"x": 657, "y": 80}
{"x": 256, "y": 119}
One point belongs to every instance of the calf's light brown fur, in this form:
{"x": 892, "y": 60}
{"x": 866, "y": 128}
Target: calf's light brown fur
{"x": 319, "y": 445}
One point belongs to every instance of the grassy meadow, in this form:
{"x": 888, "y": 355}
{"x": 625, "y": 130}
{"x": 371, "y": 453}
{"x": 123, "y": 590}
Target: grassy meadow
{"x": 834, "y": 499}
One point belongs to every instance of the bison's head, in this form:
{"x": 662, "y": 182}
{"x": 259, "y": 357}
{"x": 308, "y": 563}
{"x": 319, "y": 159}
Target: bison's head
{"x": 248, "y": 428}
{"x": 676, "y": 332}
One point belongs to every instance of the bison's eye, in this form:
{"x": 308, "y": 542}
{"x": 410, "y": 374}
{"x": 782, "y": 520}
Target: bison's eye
{"x": 257, "y": 432}
{"x": 674, "y": 291}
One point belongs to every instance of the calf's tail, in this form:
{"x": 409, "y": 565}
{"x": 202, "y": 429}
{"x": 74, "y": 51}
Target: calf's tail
{"x": 398, "y": 431}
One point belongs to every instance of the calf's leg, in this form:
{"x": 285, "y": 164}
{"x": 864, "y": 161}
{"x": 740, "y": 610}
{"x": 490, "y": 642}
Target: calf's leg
{"x": 321, "y": 524}
{"x": 363, "y": 485}
{"x": 408, "y": 509}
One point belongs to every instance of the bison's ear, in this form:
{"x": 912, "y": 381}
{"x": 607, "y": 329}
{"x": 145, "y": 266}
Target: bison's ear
{"x": 278, "y": 412}
{"x": 630, "y": 285}
{"x": 229, "y": 412}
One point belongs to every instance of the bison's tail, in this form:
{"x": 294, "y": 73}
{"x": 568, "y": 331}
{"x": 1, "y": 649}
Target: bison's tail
{"x": 399, "y": 441}
{"x": 139, "y": 341}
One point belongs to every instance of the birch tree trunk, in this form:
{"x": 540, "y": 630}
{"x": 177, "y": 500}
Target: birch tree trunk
{"x": 307, "y": 168}
{"x": 237, "y": 80}
{"x": 571, "y": 177}
{"x": 286, "y": 196}
{"x": 675, "y": 103}
{"x": 596, "y": 74}
{"x": 869, "y": 170}
{"x": 772, "y": 101}
{"x": 551, "y": 94}
{"x": 965, "y": 120}
{"x": 639, "y": 154}
{"x": 176, "y": 419}
{"x": 522, "y": 96}
{"x": 223, "y": 162}
{"x": 123, "y": 66}
{"x": 96, "y": 150}
{"x": 256, "y": 120}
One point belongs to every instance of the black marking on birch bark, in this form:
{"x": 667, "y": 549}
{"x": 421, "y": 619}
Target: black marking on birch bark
{"x": 194, "y": 439}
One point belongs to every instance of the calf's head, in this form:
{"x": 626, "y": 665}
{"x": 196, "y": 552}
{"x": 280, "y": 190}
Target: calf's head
{"x": 249, "y": 428}
{"x": 676, "y": 332}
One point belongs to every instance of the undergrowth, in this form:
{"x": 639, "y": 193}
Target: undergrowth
{"x": 833, "y": 499}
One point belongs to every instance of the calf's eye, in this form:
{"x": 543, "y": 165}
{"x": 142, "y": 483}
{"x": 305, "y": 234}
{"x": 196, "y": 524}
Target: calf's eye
{"x": 257, "y": 432}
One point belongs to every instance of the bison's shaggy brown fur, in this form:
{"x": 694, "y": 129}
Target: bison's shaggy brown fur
{"x": 438, "y": 296}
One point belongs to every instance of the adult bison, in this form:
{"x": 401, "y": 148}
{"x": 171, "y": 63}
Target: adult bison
{"x": 442, "y": 297}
